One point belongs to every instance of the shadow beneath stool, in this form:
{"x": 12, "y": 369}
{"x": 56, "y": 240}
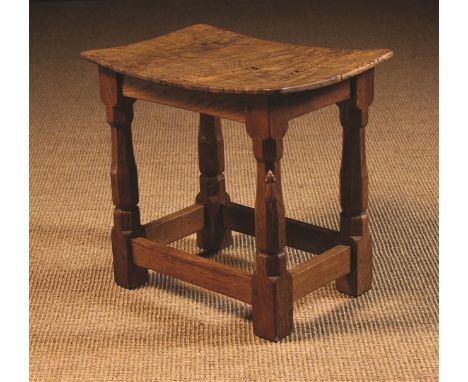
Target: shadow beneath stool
{"x": 241, "y": 254}
{"x": 373, "y": 313}
{"x": 210, "y": 299}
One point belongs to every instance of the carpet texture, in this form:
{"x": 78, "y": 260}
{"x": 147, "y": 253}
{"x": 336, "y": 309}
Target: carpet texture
{"x": 85, "y": 328}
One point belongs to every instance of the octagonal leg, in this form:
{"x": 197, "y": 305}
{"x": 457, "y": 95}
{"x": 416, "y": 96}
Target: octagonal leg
{"x": 272, "y": 304}
{"x": 124, "y": 181}
{"x": 212, "y": 193}
{"x": 354, "y": 222}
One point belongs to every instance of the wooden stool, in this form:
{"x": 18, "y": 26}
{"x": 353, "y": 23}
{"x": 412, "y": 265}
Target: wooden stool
{"x": 221, "y": 74}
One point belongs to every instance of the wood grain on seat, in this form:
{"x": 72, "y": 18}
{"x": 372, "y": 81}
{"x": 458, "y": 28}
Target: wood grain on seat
{"x": 206, "y": 58}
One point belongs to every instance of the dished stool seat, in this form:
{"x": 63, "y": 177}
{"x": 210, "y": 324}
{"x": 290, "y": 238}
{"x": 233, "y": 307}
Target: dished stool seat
{"x": 222, "y": 74}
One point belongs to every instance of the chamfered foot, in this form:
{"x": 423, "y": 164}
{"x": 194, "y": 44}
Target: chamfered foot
{"x": 214, "y": 241}
{"x": 272, "y": 301}
{"x": 359, "y": 281}
{"x": 126, "y": 273}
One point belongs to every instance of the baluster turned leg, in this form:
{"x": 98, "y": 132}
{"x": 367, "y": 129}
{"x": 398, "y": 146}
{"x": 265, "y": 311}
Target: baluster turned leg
{"x": 272, "y": 309}
{"x": 212, "y": 184}
{"x": 124, "y": 181}
{"x": 354, "y": 225}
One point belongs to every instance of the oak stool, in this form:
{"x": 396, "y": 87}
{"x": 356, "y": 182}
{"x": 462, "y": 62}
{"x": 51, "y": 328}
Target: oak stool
{"x": 221, "y": 74}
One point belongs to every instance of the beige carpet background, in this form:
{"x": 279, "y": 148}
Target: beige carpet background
{"x": 84, "y": 328}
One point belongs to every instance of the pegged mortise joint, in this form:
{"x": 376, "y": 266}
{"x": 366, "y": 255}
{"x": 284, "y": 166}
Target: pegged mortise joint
{"x": 119, "y": 109}
{"x": 267, "y": 125}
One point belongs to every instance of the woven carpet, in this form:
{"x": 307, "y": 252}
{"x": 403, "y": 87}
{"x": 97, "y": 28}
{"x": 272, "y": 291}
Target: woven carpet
{"x": 85, "y": 328}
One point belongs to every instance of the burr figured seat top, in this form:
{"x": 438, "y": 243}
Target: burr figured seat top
{"x": 210, "y": 59}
